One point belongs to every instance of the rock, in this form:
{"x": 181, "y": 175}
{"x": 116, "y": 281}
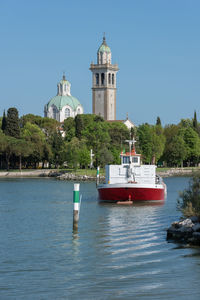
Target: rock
{"x": 185, "y": 231}
{"x": 196, "y": 227}
{"x": 194, "y": 219}
{"x": 186, "y": 223}
{"x": 195, "y": 239}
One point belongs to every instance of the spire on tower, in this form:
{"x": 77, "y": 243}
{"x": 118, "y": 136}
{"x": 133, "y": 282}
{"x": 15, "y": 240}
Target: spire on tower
{"x": 104, "y": 39}
{"x": 64, "y": 78}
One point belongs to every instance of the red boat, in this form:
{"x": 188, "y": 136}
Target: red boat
{"x": 131, "y": 181}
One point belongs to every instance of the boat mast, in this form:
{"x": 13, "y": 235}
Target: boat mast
{"x": 131, "y": 142}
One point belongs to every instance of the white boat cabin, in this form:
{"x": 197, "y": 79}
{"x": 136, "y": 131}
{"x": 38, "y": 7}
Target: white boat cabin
{"x": 131, "y": 170}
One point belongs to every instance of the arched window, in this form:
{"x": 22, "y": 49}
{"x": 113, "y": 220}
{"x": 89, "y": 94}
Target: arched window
{"x": 67, "y": 113}
{"x": 97, "y": 79}
{"x": 78, "y": 111}
{"x": 65, "y": 87}
{"x": 54, "y": 113}
{"x": 113, "y": 79}
{"x": 101, "y": 58}
{"x": 109, "y": 78}
{"x": 102, "y": 78}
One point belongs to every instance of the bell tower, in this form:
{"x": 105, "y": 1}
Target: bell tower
{"x": 104, "y": 83}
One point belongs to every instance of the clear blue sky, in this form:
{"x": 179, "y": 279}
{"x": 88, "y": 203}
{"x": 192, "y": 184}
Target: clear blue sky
{"x": 156, "y": 44}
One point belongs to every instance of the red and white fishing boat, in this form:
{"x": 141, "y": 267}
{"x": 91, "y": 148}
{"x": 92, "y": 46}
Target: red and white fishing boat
{"x": 131, "y": 181}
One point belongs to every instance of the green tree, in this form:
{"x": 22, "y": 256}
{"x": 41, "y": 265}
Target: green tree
{"x": 21, "y": 149}
{"x": 175, "y": 151}
{"x": 192, "y": 142}
{"x": 119, "y": 133}
{"x": 190, "y": 198}
{"x": 158, "y": 121}
{"x": 36, "y": 137}
{"x": 4, "y": 122}
{"x": 57, "y": 144}
{"x": 12, "y": 126}
{"x": 72, "y": 152}
{"x": 195, "y": 123}
{"x": 98, "y": 138}
{"x": 144, "y": 133}
{"x": 79, "y": 126}
{"x": 69, "y": 128}
{"x": 83, "y": 156}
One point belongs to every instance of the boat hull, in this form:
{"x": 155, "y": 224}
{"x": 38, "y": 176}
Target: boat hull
{"x": 131, "y": 192}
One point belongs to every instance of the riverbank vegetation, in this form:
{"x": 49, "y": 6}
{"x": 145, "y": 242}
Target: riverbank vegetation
{"x": 189, "y": 201}
{"x": 36, "y": 142}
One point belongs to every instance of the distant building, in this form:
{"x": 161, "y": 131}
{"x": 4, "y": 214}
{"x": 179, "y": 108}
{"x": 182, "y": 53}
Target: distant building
{"x": 129, "y": 124}
{"x": 104, "y": 84}
{"x": 63, "y": 105}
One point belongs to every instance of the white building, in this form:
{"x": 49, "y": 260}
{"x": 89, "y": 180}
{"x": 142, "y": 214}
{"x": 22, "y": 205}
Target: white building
{"x": 63, "y": 105}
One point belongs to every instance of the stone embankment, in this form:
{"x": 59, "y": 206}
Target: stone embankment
{"x": 177, "y": 172}
{"x": 186, "y": 231}
{"x": 71, "y": 176}
{"x": 31, "y": 173}
{"x": 63, "y": 175}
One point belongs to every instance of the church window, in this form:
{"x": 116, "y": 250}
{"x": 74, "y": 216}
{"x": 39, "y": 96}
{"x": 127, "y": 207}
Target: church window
{"x": 78, "y": 111}
{"x": 65, "y": 88}
{"x": 97, "y": 79}
{"x": 54, "y": 113}
{"x": 102, "y": 78}
{"x": 113, "y": 79}
{"x": 109, "y": 78}
{"x": 67, "y": 112}
{"x": 101, "y": 58}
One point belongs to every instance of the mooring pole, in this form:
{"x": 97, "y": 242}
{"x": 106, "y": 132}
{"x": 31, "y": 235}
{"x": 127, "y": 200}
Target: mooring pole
{"x": 97, "y": 181}
{"x": 76, "y": 201}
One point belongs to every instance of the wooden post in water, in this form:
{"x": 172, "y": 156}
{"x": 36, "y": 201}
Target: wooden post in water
{"x": 76, "y": 201}
{"x": 97, "y": 181}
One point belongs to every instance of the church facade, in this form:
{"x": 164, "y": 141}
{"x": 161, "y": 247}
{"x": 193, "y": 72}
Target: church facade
{"x": 104, "y": 83}
{"x": 63, "y": 105}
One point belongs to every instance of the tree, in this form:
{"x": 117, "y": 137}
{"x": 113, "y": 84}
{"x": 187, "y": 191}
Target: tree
{"x": 175, "y": 151}
{"x": 34, "y": 135}
{"x": 72, "y": 152}
{"x": 21, "y": 148}
{"x": 190, "y": 198}
{"x": 195, "y": 124}
{"x": 151, "y": 142}
{"x": 144, "y": 133}
{"x": 12, "y": 126}
{"x": 79, "y": 126}
{"x": 4, "y": 122}
{"x": 57, "y": 144}
{"x": 192, "y": 142}
{"x": 97, "y": 137}
{"x": 118, "y": 134}
{"x": 69, "y": 128}
{"x": 158, "y": 121}
{"x": 83, "y": 156}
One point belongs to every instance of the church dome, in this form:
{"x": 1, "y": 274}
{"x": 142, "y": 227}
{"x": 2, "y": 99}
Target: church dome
{"x": 104, "y": 47}
{"x": 63, "y": 105}
{"x": 61, "y": 101}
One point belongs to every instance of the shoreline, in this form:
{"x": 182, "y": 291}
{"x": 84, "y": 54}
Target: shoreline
{"x": 63, "y": 175}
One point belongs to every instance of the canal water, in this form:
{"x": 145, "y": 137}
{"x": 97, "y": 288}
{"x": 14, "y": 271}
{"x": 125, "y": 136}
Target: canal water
{"x": 119, "y": 252}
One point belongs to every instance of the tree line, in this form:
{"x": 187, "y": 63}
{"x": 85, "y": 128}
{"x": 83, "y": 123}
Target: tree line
{"x": 31, "y": 140}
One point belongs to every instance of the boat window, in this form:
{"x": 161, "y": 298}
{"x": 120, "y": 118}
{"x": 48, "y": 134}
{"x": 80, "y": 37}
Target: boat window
{"x": 135, "y": 160}
{"x": 126, "y": 159}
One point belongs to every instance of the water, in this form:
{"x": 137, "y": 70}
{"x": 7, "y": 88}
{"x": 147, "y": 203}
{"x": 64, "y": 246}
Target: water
{"x": 119, "y": 252}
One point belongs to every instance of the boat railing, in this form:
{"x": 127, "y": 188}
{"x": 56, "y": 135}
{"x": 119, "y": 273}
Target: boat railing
{"x": 140, "y": 179}
{"x": 158, "y": 179}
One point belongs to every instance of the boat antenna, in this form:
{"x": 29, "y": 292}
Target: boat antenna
{"x": 131, "y": 142}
